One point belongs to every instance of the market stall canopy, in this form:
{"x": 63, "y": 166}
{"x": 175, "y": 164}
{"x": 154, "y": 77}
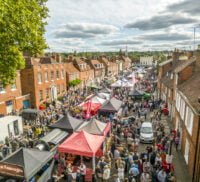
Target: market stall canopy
{"x": 104, "y": 95}
{"x": 67, "y": 123}
{"x": 113, "y": 105}
{"x": 99, "y": 100}
{"x": 54, "y": 137}
{"x": 30, "y": 114}
{"x": 94, "y": 127}
{"x": 94, "y": 86}
{"x": 27, "y": 162}
{"x": 94, "y": 106}
{"x": 136, "y": 93}
{"x": 82, "y": 143}
{"x": 105, "y": 90}
{"x": 121, "y": 83}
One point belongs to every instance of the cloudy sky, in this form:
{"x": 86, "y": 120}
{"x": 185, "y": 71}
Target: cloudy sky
{"x": 110, "y": 25}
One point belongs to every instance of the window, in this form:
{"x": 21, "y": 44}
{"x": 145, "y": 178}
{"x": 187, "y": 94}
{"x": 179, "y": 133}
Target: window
{"x": 39, "y": 78}
{"x": 189, "y": 120}
{"x": 41, "y": 95}
{"x": 2, "y": 89}
{"x": 187, "y": 148}
{"x": 57, "y": 74}
{"x": 58, "y": 89}
{"x": 62, "y": 74}
{"x": 46, "y": 76}
{"x": 63, "y": 87}
{"x": 16, "y": 127}
{"x": 13, "y": 86}
{"x": 47, "y": 92}
{"x": 52, "y": 75}
{"x": 182, "y": 109}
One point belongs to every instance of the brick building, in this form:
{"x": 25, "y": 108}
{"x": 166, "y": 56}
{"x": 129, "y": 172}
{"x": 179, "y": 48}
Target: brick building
{"x": 111, "y": 67}
{"x": 85, "y": 70}
{"x": 179, "y": 85}
{"x": 72, "y": 73}
{"x": 99, "y": 70}
{"x": 11, "y": 98}
{"x": 126, "y": 62}
{"x": 44, "y": 78}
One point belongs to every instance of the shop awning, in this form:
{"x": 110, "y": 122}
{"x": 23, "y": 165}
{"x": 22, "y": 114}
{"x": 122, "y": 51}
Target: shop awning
{"x": 30, "y": 114}
{"x": 25, "y": 161}
{"x": 113, "y": 105}
{"x": 67, "y": 123}
{"x": 82, "y": 143}
{"x": 94, "y": 127}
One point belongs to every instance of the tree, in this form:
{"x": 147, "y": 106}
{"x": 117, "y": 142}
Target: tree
{"x": 22, "y": 26}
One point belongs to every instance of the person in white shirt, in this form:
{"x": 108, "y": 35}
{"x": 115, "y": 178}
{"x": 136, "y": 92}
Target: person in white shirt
{"x": 82, "y": 169}
{"x": 106, "y": 174}
{"x": 121, "y": 172}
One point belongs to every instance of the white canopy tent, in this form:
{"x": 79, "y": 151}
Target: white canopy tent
{"x": 97, "y": 99}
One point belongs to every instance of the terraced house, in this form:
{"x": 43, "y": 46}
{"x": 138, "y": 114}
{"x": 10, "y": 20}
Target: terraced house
{"x": 44, "y": 79}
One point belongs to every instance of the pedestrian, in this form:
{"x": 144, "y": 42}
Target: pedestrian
{"x": 162, "y": 176}
{"x": 82, "y": 169}
{"x": 177, "y": 139}
{"x": 106, "y": 173}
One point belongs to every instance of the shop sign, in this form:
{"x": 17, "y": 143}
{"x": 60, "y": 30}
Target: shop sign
{"x": 7, "y": 169}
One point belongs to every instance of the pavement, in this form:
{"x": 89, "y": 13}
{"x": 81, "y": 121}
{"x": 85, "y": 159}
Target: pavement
{"x": 181, "y": 169}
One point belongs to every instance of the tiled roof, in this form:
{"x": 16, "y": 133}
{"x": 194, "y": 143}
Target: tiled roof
{"x": 184, "y": 65}
{"x": 191, "y": 89}
{"x": 70, "y": 68}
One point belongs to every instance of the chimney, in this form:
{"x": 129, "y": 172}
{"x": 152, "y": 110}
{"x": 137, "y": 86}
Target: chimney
{"x": 58, "y": 58}
{"x": 175, "y": 55}
{"x": 197, "y": 55}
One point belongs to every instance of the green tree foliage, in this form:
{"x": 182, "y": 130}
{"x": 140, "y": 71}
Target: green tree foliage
{"x": 74, "y": 83}
{"x": 22, "y": 26}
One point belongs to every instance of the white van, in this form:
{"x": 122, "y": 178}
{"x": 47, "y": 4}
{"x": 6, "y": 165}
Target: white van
{"x": 146, "y": 133}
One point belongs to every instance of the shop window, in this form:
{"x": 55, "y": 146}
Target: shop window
{"x": 58, "y": 89}
{"x": 47, "y": 93}
{"x": 62, "y": 74}
{"x": 52, "y": 75}
{"x": 57, "y": 74}
{"x": 41, "y": 95}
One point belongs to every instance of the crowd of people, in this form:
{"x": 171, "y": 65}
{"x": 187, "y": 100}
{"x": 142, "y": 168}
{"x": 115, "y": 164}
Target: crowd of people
{"x": 126, "y": 160}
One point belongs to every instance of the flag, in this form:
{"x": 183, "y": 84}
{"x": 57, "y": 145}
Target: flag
{"x": 88, "y": 111}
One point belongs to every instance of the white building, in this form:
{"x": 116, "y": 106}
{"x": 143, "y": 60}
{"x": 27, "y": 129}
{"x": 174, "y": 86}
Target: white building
{"x": 146, "y": 61}
{"x": 10, "y": 126}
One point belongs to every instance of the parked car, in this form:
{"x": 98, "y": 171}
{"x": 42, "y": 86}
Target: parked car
{"x": 146, "y": 133}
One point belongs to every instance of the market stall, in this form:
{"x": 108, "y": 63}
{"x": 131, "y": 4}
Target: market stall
{"x": 98, "y": 100}
{"x": 51, "y": 140}
{"x": 67, "y": 123}
{"x": 83, "y": 144}
{"x": 26, "y": 165}
{"x": 30, "y": 114}
{"x": 92, "y": 107}
{"x": 136, "y": 94}
{"x": 111, "y": 106}
{"x": 95, "y": 127}
{"x": 106, "y": 90}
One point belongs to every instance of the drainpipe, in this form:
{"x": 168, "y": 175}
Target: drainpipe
{"x": 196, "y": 150}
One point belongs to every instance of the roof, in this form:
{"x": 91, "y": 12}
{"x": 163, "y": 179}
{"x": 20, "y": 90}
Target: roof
{"x": 32, "y": 160}
{"x": 70, "y": 68}
{"x": 82, "y": 143}
{"x": 185, "y": 64}
{"x": 93, "y": 127}
{"x": 67, "y": 123}
{"x": 113, "y": 105}
{"x": 165, "y": 62}
{"x": 80, "y": 61}
{"x": 191, "y": 89}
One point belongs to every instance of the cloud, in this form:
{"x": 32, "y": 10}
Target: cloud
{"x": 161, "y": 21}
{"x": 120, "y": 42}
{"x": 84, "y": 30}
{"x": 164, "y": 36}
{"x": 187, "y": 6}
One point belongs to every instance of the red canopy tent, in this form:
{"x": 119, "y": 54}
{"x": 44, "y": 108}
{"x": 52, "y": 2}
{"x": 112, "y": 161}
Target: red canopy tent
{"x": 83, "y": 144}
{"x": 94, "y": 107}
